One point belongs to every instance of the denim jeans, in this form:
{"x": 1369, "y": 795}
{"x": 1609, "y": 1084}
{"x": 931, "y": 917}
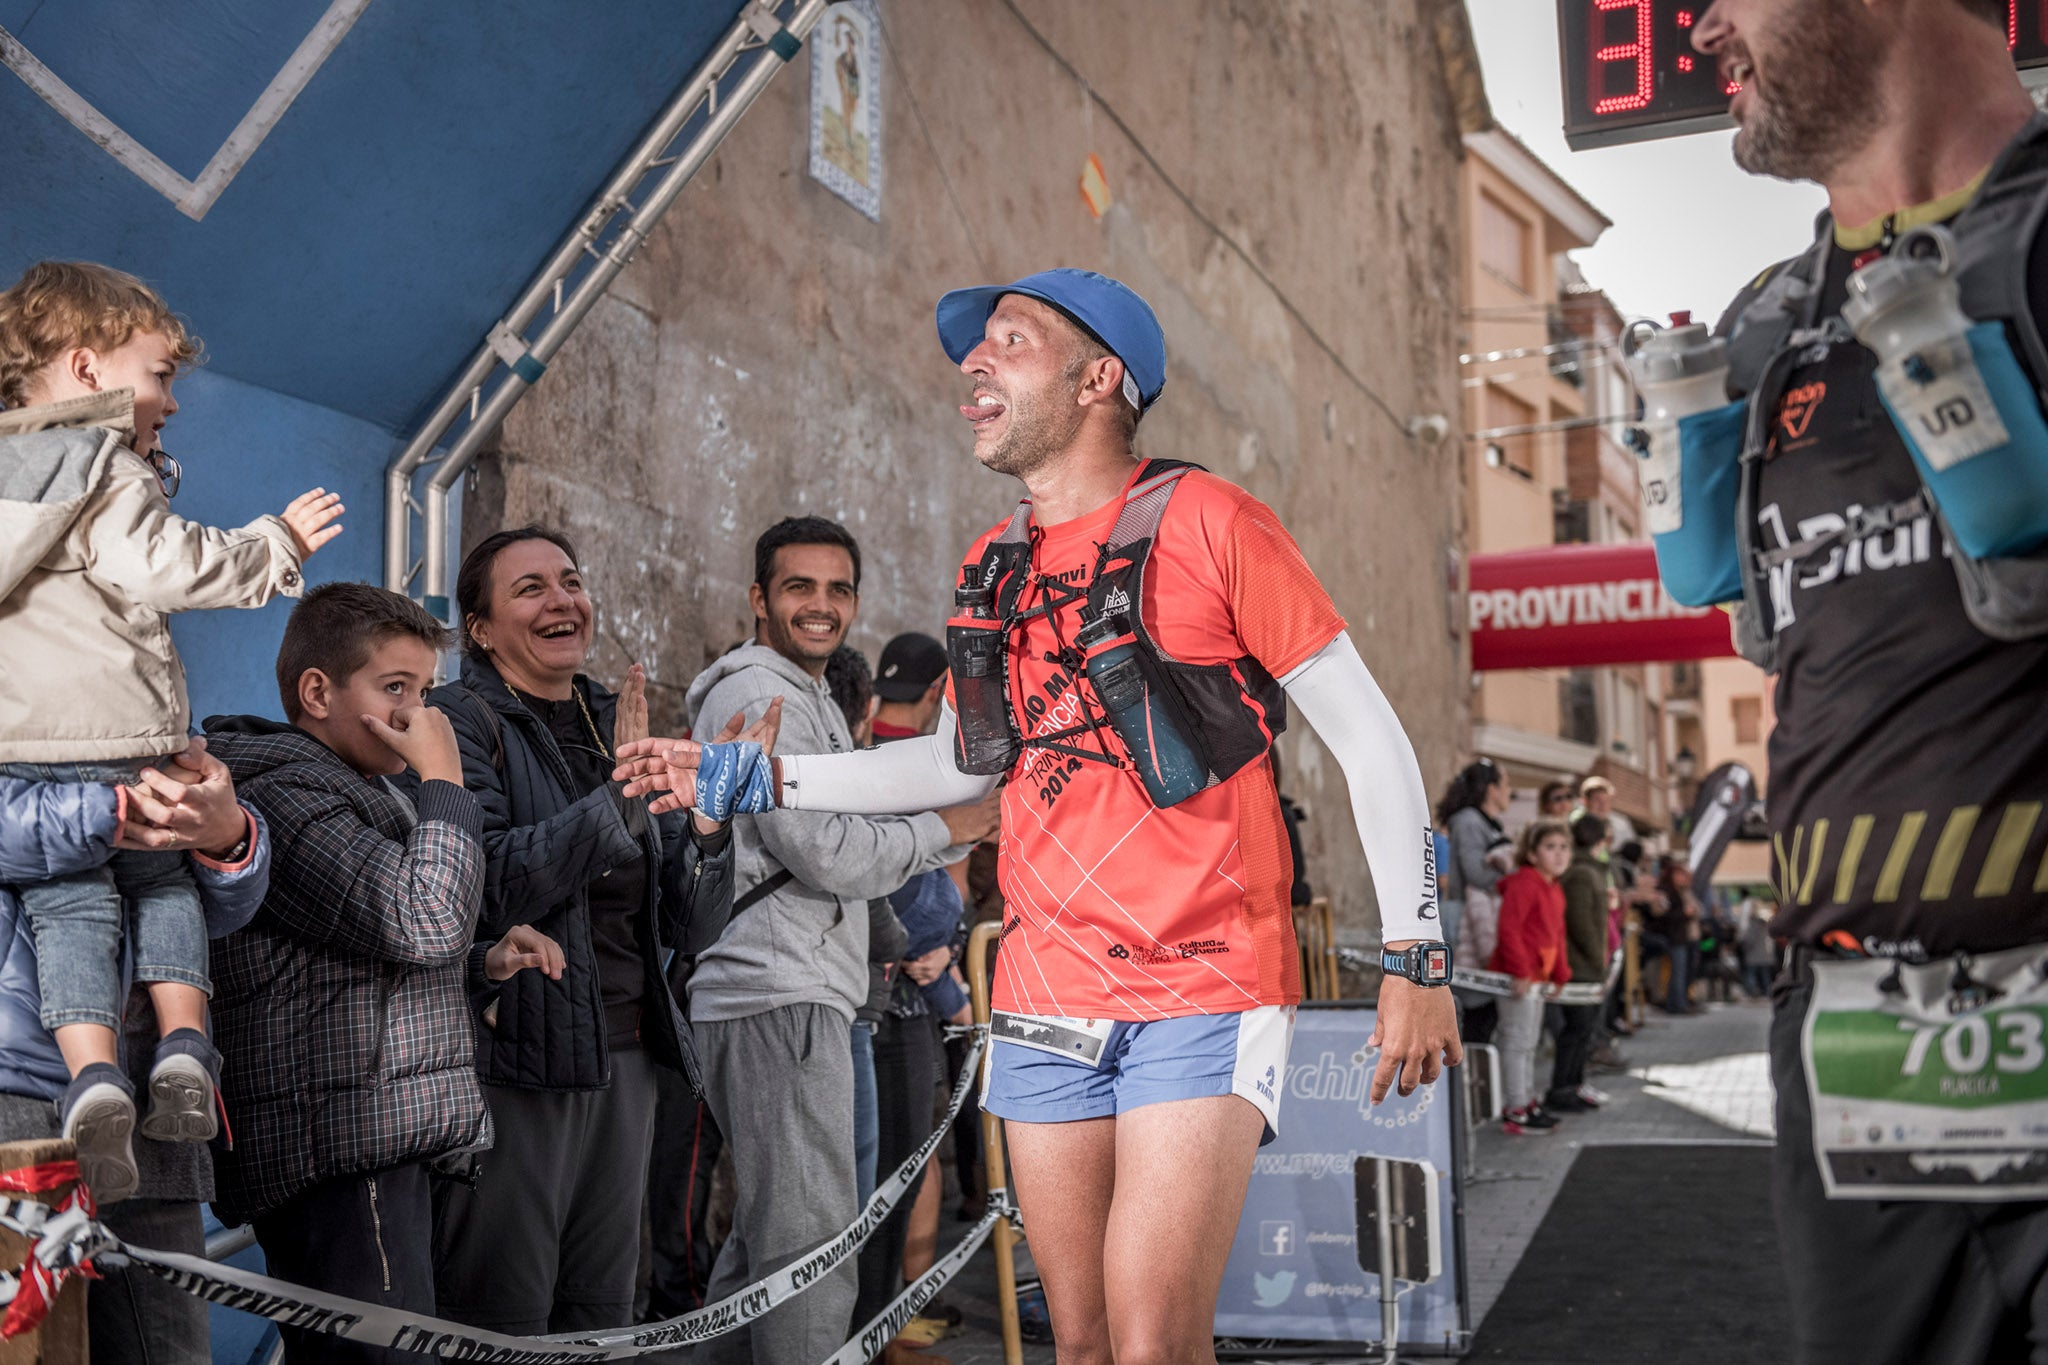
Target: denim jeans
{"x": 1680, "y": 956}
{"x": 77, "y": 919}
{"x": 867, "y": 1116}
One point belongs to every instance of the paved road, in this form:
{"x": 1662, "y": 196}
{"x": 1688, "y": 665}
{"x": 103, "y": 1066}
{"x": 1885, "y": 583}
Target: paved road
{"x": 1701, "y": 1079}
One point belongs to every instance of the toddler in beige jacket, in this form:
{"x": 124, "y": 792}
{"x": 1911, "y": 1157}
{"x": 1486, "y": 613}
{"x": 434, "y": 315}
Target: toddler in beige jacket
{"x": 92, "y": 561}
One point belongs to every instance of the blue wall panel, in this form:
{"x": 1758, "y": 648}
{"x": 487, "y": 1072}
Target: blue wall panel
{"x": 247, "y": 451}
{"x": 353, "y": 264}
{"x": 389, "y": 216}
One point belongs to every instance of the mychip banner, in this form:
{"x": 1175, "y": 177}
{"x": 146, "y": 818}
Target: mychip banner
{"x": 1294, "y": 1269}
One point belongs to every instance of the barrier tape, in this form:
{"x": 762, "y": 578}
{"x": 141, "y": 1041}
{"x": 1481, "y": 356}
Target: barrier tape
{"x": 1500, "y": 983}
{"x": 72, "y": 1238}
{"x": 49, "y": 1262}
{"x": 867, "y": 1344}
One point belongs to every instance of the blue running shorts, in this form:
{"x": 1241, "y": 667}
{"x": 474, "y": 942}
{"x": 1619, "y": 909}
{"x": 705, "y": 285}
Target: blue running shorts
{"x": 1049, "y": 1069}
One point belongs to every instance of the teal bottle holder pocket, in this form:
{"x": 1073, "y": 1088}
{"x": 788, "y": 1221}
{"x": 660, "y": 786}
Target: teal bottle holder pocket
{"x": 1972, "y": 420}
{"x": 1699, "y": 561}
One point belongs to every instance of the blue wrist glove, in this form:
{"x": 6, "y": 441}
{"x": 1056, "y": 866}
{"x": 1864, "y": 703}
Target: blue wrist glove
{"x": 734, "y": 779}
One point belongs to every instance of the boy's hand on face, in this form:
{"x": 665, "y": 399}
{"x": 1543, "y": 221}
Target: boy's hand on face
{"x": 307, "y": 519}
{"x": 422, "y": 736}
{"x": 523, "y": 946}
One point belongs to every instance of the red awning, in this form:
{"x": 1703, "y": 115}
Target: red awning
{"x": 1579, "y": 606}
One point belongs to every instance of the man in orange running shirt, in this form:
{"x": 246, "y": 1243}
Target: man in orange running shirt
{"x": 1146, "y": 986}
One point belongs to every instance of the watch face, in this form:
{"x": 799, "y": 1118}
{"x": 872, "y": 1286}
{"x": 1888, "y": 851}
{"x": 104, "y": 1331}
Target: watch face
{"x": 1436, "y": 964}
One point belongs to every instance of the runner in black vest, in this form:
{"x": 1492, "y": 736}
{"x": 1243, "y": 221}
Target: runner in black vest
{"x": 1909, "y": 765}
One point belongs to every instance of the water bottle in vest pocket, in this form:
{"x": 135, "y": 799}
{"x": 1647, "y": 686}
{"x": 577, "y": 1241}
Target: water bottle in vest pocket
{"x": 1143, "y": 711}
{"x": 1955, "y": 391}
{"x": 1690, "y": 442}
{"x": 987, "y": 742}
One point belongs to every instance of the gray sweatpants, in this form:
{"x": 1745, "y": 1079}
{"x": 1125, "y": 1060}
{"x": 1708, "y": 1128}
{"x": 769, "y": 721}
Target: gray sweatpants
{"x": 780, "y": 1085}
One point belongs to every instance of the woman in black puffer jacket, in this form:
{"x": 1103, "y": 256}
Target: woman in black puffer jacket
{"x": 546, "y": 1239}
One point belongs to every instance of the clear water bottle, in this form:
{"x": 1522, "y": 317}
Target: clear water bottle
{"x": 1691, "y": 445}
{"x": 1145, "y": 717}
{"x": 1679, "y": 370}
{"x": 1957, "y": 395}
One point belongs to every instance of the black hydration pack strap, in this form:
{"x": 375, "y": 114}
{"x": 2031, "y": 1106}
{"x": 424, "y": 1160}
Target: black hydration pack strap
{"x": 1870, "y": 521}
{"x": 763, "y": 889}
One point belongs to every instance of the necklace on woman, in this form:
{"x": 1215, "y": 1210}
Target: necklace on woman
{"x": 581, "y": 705}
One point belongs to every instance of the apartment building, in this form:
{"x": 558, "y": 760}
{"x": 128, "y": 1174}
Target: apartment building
{"x": 1546, "y": 403}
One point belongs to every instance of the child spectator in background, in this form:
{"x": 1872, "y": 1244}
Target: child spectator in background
{"x": 1532, "y": 950}
{"x": 1587, "y": 897}
{"x": 91, "y": 562}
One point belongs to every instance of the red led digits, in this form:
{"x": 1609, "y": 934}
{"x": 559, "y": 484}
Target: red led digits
{"x": 1639, "y": 52}
{"x": 1631, "y": 71}
{"x": 2012, "y": 22}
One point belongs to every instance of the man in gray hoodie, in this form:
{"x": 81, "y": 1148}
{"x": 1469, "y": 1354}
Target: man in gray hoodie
{"x": 773, "y": 1001}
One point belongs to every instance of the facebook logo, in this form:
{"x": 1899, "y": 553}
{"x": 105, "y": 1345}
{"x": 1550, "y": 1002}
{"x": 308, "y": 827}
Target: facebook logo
{"x": 1276, "y": 1238}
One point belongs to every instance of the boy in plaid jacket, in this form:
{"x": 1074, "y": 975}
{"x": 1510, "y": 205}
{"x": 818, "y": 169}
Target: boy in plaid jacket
{"x": 342, "y": 1010}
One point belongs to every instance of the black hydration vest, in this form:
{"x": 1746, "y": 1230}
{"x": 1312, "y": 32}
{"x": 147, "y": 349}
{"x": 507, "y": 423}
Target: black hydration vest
{"x": 1775, "y": 323}
{"x": 1232, "y": 712}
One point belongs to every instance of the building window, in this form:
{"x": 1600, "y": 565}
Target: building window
{"x": 1570, "y": 518}
{"x": 1503, "y": 242}
{"x": 1628, "y": 719}
{"x": 1578, "y": 707}
{"x": 1515, "y": 452}
{"x": 1748, "y": 713}
{"x": 1565, "y": 362}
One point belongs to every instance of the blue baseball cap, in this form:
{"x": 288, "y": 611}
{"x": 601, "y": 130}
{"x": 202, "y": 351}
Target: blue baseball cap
{"x": 1106, "y": 309}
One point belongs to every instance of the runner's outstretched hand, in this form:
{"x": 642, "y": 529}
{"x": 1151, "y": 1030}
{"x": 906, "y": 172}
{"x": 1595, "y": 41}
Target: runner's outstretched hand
{"x": 1416, "y": 1033}
{"x": 666, "y": 769}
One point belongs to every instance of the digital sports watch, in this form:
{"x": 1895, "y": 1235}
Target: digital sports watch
{"x": 1426, "y": 964}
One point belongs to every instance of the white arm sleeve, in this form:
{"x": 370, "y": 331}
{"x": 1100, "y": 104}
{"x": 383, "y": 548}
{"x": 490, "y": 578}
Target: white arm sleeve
{"x": 1350, "y": 714}
{"x": 903, "y": 778}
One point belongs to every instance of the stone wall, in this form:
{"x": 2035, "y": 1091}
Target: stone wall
{"x": 1284, "y": 182}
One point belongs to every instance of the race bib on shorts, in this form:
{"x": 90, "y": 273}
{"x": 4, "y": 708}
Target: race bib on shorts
{"x": 1927, "y": 1092}
{"x": 1081, "y": 1039}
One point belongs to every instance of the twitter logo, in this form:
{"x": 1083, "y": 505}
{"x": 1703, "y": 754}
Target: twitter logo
{"x": 1272, "y": 1290}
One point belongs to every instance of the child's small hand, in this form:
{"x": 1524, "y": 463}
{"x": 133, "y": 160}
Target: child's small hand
{"x": 308, "y": 517}
{"x": 523, "y": 946}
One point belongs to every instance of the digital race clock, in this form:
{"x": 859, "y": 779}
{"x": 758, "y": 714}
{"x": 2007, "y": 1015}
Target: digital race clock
{"x": 1630, "y": 72}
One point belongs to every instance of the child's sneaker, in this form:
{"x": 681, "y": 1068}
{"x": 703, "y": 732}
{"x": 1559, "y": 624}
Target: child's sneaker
{"x": 182, "y": 1087}
{"x": 1528, "y": 1121}
{"x": 97, "y": 1115}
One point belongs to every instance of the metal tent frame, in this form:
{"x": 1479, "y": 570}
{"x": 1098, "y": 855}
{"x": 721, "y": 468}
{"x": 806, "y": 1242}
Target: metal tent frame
{"x": 690, "y": 127}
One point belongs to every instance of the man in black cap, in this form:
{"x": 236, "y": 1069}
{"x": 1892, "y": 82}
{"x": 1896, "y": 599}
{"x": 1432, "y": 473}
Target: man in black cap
{"x": 911, "y": 684}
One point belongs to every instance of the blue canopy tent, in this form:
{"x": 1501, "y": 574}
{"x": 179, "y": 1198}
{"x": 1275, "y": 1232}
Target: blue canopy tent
{"x": 354, "y": 203}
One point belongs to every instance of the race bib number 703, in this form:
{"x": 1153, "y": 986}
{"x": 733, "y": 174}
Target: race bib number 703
{"x": 1922, "y": 1094}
